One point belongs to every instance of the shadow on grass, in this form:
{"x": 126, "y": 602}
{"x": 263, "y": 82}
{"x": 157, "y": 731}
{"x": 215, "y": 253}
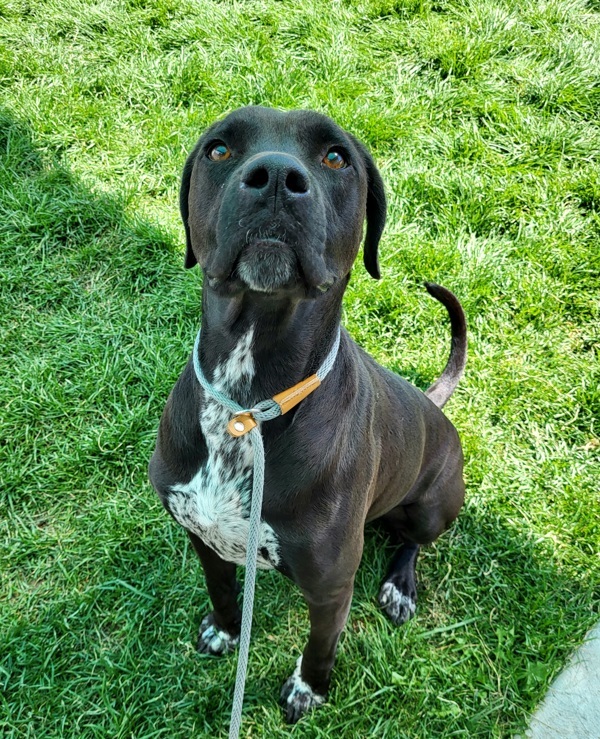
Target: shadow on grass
{"x": 48, "y": 214}
{"x": 103, "y": 613}
{"x": 495, "y": 610}
{"x": 95, "y": 302}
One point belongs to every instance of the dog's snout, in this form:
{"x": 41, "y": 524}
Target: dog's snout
{"x": 274, "y": 172}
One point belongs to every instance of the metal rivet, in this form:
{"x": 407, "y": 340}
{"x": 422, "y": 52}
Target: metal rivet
{"x": 238, "y": 426}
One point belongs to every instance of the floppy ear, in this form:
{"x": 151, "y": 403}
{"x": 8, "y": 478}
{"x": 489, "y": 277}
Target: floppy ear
{"x": 184, "y": 191}
{"x": 376, "y": 212}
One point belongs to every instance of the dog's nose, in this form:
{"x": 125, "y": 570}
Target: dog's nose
{"x": 275, "y": 172}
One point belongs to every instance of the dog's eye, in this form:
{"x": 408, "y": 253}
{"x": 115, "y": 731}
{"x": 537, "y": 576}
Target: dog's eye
{"x": 334, "y": 159}
{"x": 219, "y": 153}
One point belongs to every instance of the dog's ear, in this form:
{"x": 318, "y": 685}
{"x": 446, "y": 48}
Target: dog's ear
{"x": 184, "y": 191}
{"x": 376, "y": 212}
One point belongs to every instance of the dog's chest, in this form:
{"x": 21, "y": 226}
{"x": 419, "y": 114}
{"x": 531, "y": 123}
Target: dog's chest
{"x": 215, "y": 503}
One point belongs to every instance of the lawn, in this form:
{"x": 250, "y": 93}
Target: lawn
{"x": 483, "y": 117}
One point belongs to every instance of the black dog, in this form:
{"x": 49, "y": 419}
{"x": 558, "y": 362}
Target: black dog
{"x": 273, "y": 205}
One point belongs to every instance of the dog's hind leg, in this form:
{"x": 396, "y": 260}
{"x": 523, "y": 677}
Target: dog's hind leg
{"x": 220, "y": 630}
{"x": 414, "y": 525}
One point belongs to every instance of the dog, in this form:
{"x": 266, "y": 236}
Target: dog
{"x": 273, "y": 205}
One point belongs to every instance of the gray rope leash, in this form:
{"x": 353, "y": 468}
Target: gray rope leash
{"x": 263, "y": 411}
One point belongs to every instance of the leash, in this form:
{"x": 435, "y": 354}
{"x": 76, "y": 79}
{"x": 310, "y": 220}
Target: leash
{"x": 245, "y": 421}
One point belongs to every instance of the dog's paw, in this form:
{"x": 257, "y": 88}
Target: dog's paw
{"x": 213, "y": 640}
{"x": 399, "y": 606}
{"x": 297, "y": 697}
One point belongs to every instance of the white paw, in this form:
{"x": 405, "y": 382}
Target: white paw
{"x": 398, "y": 606}
{"x": 212, "y": 640}
{"x": 298, "y": 697}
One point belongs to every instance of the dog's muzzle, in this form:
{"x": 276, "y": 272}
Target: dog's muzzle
{"x": 271, "y": 229}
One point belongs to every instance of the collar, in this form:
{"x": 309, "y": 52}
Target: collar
{"x": 245, "y": 419}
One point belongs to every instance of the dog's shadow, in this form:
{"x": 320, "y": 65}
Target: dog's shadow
{"x": 492, "y": 602}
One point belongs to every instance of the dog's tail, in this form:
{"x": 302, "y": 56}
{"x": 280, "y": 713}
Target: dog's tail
{"x": 445, "y": 385}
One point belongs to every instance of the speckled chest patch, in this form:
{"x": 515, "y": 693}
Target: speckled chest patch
{"x": 215, "y": 503}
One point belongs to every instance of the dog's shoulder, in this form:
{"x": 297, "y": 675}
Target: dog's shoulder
{"x": 397, "y": 401}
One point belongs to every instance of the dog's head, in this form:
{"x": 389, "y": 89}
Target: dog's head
{"x": 274, "y": 200}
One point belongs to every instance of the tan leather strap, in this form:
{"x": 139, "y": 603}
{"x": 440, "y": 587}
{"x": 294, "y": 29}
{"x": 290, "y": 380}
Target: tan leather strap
{"x": 293, "y": 395}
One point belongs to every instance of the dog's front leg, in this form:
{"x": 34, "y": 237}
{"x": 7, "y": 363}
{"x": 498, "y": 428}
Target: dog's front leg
{"x": 308, "y": 685}
{"x": 220, "y": 630}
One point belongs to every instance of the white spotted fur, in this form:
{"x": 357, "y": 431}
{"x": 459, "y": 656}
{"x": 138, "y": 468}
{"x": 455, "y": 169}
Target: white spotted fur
{"x": 301, "y": 693}
{"x": 397, "y": 605}
{"x": 215, "y": 640}
{"x": 215, "y": 503}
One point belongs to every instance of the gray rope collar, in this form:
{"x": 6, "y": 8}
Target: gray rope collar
{"x": 244, "y": 420}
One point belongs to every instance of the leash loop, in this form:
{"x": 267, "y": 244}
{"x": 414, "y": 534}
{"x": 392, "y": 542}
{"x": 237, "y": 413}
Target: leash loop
{"x": 247, "y": 418}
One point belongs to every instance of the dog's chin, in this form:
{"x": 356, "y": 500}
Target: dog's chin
{"x": 268, "y": 267}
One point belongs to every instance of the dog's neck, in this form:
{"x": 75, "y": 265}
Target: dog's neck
{"x": 291, "y": 335}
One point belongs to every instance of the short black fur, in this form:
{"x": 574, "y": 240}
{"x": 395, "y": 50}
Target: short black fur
{"x": 276, "y": 259}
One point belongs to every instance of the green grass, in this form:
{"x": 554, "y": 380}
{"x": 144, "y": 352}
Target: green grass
{"x": 483, "y": 116}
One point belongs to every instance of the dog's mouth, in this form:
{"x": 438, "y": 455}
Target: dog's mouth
{"x": 267, "y": 265}
{"x": 270, "y": 264}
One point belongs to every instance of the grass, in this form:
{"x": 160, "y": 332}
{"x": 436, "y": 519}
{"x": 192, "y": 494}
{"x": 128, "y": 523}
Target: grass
{"x": 483, "y": 116}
